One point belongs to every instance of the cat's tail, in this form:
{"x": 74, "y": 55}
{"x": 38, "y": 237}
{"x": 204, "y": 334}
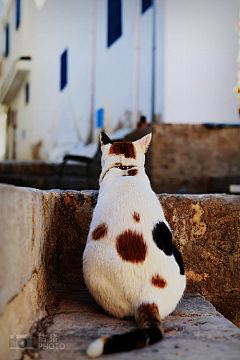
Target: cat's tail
{"x": 150, "y": 331}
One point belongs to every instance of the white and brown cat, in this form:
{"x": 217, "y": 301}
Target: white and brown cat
{"x": 131, "y": 265}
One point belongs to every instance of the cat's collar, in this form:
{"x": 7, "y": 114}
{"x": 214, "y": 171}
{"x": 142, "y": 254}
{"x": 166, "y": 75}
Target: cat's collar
{"x": 118, "y": 166}
{"x": 123, "y": 167}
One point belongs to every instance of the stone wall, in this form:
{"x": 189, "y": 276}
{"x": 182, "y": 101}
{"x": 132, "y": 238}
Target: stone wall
{"x": 191, "y": 158}
{"x": 207, "y": 231}
{"x": 22, "y": 222}
{"x": 43, "y": 235}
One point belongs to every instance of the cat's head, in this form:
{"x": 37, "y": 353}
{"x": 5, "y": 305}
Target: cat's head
{"x": 124, "y": 156}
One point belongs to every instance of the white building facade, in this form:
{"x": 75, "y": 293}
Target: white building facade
{"x": 72, "y": 67}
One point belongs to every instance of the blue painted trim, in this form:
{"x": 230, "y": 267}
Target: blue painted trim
{"x": 146, "y": 4}
{"x": 18, "y": 13}
{"x": 100, "y": 118}
{"x": 64, "y": 70}
{"x": 7, "y": 41}
{"x": 27, "y": 93}
{"x": 114, "y": 21}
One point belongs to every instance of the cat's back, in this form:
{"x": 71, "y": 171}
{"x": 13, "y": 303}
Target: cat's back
{"x": 128, "y": 194}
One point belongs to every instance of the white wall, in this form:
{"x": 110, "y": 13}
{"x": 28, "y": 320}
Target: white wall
{"x": 196, "y": 52}
{"x": 57, "y": 27}
{"x": 160, "y": 61}
{"x": 3, "y": 124}
{"x": 200, "y": 61}
{"x": 114, "y": 66}
{"x": 145, "y": 73}
{"x": 44, "y": 34}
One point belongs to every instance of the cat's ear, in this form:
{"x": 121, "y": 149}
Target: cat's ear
{"x": 144, "y": 142}
{"x": 104, "y": 139}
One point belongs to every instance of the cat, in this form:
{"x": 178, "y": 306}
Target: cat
{"x": 130, "y": 263}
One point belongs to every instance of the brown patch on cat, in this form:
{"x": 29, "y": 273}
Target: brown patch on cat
{"x": 136, "y": 216}
{"x": 147, "y": 315}
{"x": 132, "y": 172}
{"x": 131, "y": 246}
{"x": 123, "y": 148}
{"x": 100, "y": 231}
{"x": 158, "y": 281}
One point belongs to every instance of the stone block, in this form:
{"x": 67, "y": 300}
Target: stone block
{"x": 184, "y": 158}
{"x": 16, "y": 216}
{"x": 22, "y": 239}
{"x": 43, "y": 236}
{"x": 195, "y": 330}
{"x": 207, "y": 231}
{"x": 67, "y": 219}
{"x": 18, "y": 316}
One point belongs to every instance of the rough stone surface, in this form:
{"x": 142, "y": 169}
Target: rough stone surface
{"x": 207, "y": 231}
{"x": 45, "y": 175}
{"x": 70, "y": 214}
{"x": 195, "y": 330}
{"x": 22, "y": 239}
{"x": 18, "y": 316}
{"x": 16, "y": 224}
{"x": 182, "y": 158}
{"x": 43, "y": 235}
{"x": 186, "y": 157}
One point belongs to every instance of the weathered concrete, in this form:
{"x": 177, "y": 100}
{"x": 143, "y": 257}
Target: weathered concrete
{"x": 22, "y": 238}
{"x": 186, "y": 157}
{"x": 18, "y": 316}
{"x": 43, "y": 235}
{"x": 191, "y": 159}
{"x": 195, "y": 330}
{"x": 206, "y": 229}
{"x": 14, "y": 216}
{"x": 46, "y": 176}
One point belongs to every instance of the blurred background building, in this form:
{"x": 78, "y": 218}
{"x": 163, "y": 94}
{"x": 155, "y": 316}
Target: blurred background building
{"x": 71, "y": 67}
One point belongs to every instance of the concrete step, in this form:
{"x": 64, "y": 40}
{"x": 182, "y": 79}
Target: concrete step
{"x": 195, "y": 330}
{"x": 43, "y": 236}
{"x": 46, "y": 176}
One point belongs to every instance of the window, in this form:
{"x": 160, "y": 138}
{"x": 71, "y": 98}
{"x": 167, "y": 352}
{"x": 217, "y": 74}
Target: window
{"x": 18, "y": 13}
{"x": 7, "y": 30}
{"x": 27, "y": 93}
{"x": 114, "y": 21}
{"x": 146, "y": 4}
{"x": 63, "y": 70}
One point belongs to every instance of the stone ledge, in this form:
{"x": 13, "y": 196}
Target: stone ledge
{"x": 189, "y": 156}
{"x": 195, "y": 330}
{"x": 18, "y": 316}
{"x": 206, "y": 229}
{"x": 48, "y": 231}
